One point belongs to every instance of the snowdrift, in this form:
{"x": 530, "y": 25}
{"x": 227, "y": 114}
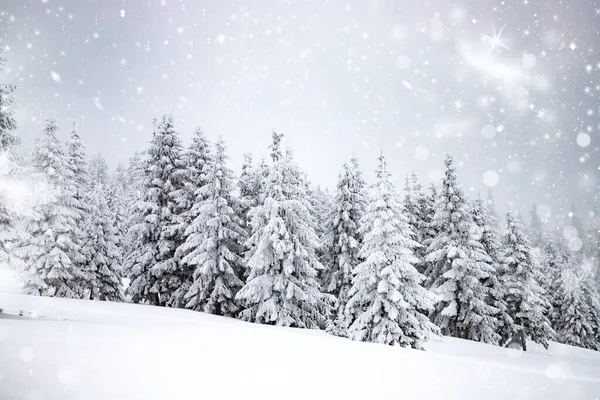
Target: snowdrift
{"x": 72, "y": 349}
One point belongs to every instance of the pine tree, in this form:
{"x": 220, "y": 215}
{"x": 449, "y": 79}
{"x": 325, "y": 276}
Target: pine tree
{"x": 197, "y": 161}
{"x": 7, "y": 121}
{"x": 214, "y": 243}
{"x": 461, "y": 267}
{"x": 555, "y": 256}
{"x": 415, "y": 208}
{"x": 344, "y": 241}
{"x": 135, "y": 173}
{"x": 429, "y": 233}
{"x": 154, "y": 270}
{"x": 119, "y": 196}
{"x": 248, "y": 186}
{"x": 98, "y": 171}
{"x": 537, "y": 234}
{"x": 526, "y": 299}
{"x": 51, "y": 271}
{"x": 574, "y": 312}
{"x": 10, "y": 235}
{"x": 101, "y": 250}
{"x": 76, "y": 189}
{"x": 282, "y": 287}
{"x": 386, "y": 297}
{"x": 486, "y": 232}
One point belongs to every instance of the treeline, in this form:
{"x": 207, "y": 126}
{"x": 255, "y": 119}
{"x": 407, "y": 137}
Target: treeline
{"x": 367, "y": 262}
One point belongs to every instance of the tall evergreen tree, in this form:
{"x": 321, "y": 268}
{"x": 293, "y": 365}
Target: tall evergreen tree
{"x": 344, "y": 241}
{"x": 7, "y": 122}
{"x": 575, "y": 317}
{"x": 415, "y": 208}
{"x": 47, "y": 255}
{"x": 486, "y": 232}
{"x": 197, "y": 161}
{"x": 101, "y": 249}
{"x": 98, "y": 170}
{"x": 386, "y": 297}
{"x": 119, "y": 196}
{"x": 282, "y": 287}
{"x": 10, "y": 235}
{"x": 429, "y": 233}
{"x": 460, "y": 268}
{"x": 248, "y": 186}
{"x": 536, "y": 228}
{"x": 214, "y": 243}
{"x": 76, "y": 189}
{"x": 526, "y": 299}
{"x": 154, "y": 270}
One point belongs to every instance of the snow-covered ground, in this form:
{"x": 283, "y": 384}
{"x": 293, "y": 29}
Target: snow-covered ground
{"x": 72, "y": 349}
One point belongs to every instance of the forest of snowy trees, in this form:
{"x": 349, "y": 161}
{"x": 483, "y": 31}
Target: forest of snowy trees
{"x": 370, "y": 262}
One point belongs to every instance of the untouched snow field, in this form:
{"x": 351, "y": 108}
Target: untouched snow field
{"x": 73, "y": 349}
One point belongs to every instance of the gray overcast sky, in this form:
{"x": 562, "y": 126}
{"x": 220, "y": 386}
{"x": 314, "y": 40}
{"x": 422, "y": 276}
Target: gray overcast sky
{"x": 510, "y": 88}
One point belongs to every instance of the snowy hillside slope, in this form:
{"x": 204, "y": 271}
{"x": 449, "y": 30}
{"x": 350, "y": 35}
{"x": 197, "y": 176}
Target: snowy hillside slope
{"x": 73, "y": 349}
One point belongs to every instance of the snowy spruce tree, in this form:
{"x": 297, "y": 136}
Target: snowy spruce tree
{"x": 485, "y": 230}
{"x": 575, "y": 319}
{"x": 197, "y": 160}
{"x": 460, "y": 268}
{"x": 415, "y": 208}
{"x": 10, "y": 234}
{"x": 249, "y": 187}
{"x": 214, "y": 242}
{"x": 101, "y": 249}
{"x": 282, "y": 287}
{"x": 429, "y": 232}
{"x": 536, "y": 229}
{"x": 118, "y": 201}
{"x": 526, "y": 300}
{"x": 387, "y": 303}
{"x": 98, "y": 169}
{"x": 75, "y": 191}
{"x": 343, "y": 242}
{"x": 47, "y": 254}
{"x": 153, "y": 268}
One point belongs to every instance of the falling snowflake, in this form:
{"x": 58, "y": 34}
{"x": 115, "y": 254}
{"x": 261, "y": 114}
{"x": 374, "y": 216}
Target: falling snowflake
{"x": 55, "y": 76}
{"x": 122, "y": 13}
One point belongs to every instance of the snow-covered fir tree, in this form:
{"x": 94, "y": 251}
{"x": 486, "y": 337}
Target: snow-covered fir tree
{"x": 321, "y": 202}
{"x": 415, "y": 208}
{"x": 10, "y": 234}
{"x": 98, "y": 170}
{"x": 460, "y": 268}
{"x": 486, "y": 232}
{"x": 118, "y": 200}
{"x": 429, "y": 232}
{"x": 75, "y": 192}
{"x": 575, "y": 323}
{"x": 387, "y": 302}
{"x": 282, "y": 286}
{"x": 536, "y": 228}
{"x": 526, "y": 300}
{"x": 8, "y": 124}
{"x": 343, "y": 242}
{"x": 101, "y": 249}
{"x": 214, "y": 242}
{"x": 197, "y": 160}
{"x": 249, "y": 187}
{"x": 133, "y": 186}
{"x": 47, "y": 254}
{"x": 153, "y": 268}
